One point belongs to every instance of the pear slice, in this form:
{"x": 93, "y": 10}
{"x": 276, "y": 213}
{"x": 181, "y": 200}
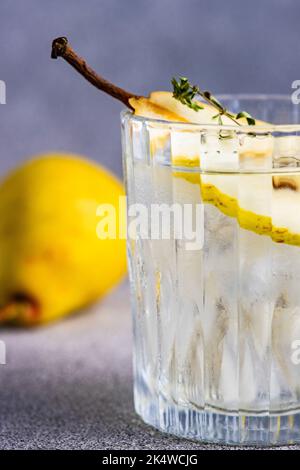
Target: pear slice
{"x": 154, "y": 110}
{"x": 258, "y": 203}
{"x": 166, "y": 100}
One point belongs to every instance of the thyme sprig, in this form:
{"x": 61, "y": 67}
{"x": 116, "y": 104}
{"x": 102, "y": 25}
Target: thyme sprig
{"x": 184, "y": 92}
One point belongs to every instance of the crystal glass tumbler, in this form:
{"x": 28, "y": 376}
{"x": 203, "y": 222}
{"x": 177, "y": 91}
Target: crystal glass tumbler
{"x": 214, "y": 261}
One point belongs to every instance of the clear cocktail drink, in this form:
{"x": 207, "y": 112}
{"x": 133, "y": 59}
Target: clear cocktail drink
{"x": 216, "y": 304}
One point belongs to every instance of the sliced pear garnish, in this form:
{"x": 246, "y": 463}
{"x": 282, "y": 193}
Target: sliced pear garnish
{"x": 145, "y": 107}
{"x": 166, "y": 100}
{"x": 162, "y": 105}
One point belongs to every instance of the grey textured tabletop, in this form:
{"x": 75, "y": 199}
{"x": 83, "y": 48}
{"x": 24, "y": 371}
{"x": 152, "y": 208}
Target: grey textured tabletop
{"x": 69, "y": 385}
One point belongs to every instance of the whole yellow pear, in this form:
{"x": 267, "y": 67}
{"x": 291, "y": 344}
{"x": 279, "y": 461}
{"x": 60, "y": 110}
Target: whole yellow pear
{"x": 51, "y": 260}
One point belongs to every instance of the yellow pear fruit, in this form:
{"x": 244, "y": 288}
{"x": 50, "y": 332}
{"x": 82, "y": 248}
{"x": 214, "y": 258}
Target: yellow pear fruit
{"x": 52, "y": 261}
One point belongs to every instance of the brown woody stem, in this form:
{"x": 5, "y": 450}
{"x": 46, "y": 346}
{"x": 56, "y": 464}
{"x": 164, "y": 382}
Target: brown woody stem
{"x": 61, "y": 48}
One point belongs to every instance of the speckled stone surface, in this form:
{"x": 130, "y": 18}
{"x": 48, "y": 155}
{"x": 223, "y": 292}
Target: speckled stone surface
{"x": 69, "y": 385}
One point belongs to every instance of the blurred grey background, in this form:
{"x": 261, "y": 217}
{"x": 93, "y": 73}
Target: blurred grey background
{"x": 225, "y": 46}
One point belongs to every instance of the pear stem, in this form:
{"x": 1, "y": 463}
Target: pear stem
{"x": 19, "y": 311}
{"x": 61, "y": 48}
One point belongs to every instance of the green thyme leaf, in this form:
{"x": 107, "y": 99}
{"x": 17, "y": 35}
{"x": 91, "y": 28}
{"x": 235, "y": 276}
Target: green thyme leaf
{"x": 185, "y": 93}
{"x": 243, "y": 114}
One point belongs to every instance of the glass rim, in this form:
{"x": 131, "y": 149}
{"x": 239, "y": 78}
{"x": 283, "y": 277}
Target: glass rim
{"x": 243, "y": 129}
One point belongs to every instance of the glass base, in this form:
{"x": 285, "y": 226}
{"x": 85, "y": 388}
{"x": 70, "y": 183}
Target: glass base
{"x": 217, "y": 427}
